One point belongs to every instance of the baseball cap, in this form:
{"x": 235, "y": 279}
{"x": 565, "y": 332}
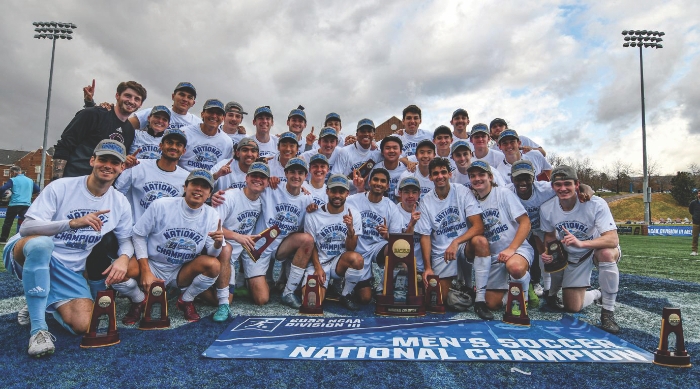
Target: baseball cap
{"x": 563, "y": 173}
{"x": 479, "y": 127}
{"x": 213, "y": 103}
{"x": 265, "y": 110}
{"x": 425, "y": 142}
{"x": 327, "y": 131}
{"x": 202, "y": 175}
{"x": 160, "y": 108}
{"x": 498, "y": 121}
{"x": 483, "y": 165}
{"x": 458, "y": 144}
{"x": 409, "y": 181}
{"x": 522, "y": 166}
{"x": 174, "y": 132}
{"x": 460, "y": 111}
{"x": 299, "y": 111}
{"x": 330, "y": 116}
{"x": 233, "y": 106}
{"x": 391, "y": 138}
{"x": 318, "y": 158}
{"x": 186, "y": 86}
{"x": 508, "y": 133}
{"x": 259, "y": 167}
{"x": 250, "y": 142}
{"x": 111, "y": 147}
{"x": 288, "y": 137}
{"x": 296, "y": 162}
{"x": 366, "y": 123}
{"x": 442, "y": 130}
{"x": 338, "y": 180}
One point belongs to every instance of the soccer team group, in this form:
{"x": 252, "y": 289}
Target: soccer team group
{"x": 141, "y": 195}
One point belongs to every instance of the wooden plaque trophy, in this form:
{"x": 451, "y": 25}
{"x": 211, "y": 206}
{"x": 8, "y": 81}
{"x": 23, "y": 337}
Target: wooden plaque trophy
{"x": 516, "y": 310}
{"x": 156, "y": 300}
{"x": 559, "y": 255}
{"x": 671, "y": 323}
{"x": 311, "y": 303}
{"x": 104, "y": 306}
{"x": 433, "y": 296}
{"x": 269, "y": 235}
{"x": 400, "y": 296}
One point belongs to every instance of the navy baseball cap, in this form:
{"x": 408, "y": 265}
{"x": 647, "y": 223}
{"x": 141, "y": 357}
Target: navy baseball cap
{"x": 201, "y": 174}
{"x": 333, "y": 116}
{"x": 508, "y": 133}
{"x": 366, "y": 123}
{"x": 288, "y": 137}
{"x": 213, "y": 104}
{"x": 299, "y": 111}
{"x": 479, "y": 127}
{"x": 186, "y": 86}
{"x": 262, "y": 111}
{"x": 174, "y": 133}
{"x": 296, "y": 162}
{"x": 160, "y": 108}
{"x": 498, "y": 121}
{"x": 259, "y": 167}
{"x": 338, "y": 180}
{"x": 460, "y": 111}
{"x": 111, "y": 147}
{"x": 318, "y": 158}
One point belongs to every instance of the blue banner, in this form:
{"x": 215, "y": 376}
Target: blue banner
{"x": 455, "y": 340}
{"x": 671, "y": 230}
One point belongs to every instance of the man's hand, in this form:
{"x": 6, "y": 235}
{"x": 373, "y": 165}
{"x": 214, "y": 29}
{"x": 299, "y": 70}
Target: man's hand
{"x": 90, "y": 220}
{"x": 426, "y": 273}
{"x": 246, "y": 241}
{"x": 358, "y": 181}
{"x": 451, "y": 252}
{"x": 313, "y": 207}
{"x": 117, "y": 270}
{"x": 131, "y": 159}
{"x": 411, "y": 166}
{"x": 241, "y": 130}
{"x": 311, "y": 138}
{"x": 570, "y": 240}
{"x": 350, "y": 139}
{"x": 147, "y": 279}
{"x": 274, "y": 182}
{"x": 218, "y": 198}
{"x": 347, "y": 219}
{"x": 383, "y": 230}
{"x": 89, "y": 92}
{"x": 505, "y": 255}
{"x": 218, "y": 236}
{"x": 224, "y": 170}
{"x": 415, "y": 216}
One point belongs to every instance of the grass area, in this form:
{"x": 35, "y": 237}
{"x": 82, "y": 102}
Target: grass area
{"x": 659, "y": 256}
{"x": 662, "y": 205}
{"x": 2, "y": 245}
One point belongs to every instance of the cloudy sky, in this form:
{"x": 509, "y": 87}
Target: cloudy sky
{"x": 555, "y": 70}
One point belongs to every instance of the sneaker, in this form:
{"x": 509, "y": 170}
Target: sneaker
{"x": 335, "y": 290}
{"x": 532, "y": 299}
{"x": 349, "y": 303}
{"x": 188, "y": 309}
{"x": 554, "y": 303}
{"x": 694, "y": 253}
{"x": 222, "y": 313}
{"x": 134, "y": 315}
{"x": 41, "y": 344}
{"x": 291, "y": 301}
{"x": 539, "y": 290}
{"x": 23, "y": 316}
{"x": 482, "y": 310}
{"x": 607, "y": 322}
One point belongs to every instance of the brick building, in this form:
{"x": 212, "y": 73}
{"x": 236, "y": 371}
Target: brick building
{"x": 388, "y": 127}
{"x": 28, "y": 161}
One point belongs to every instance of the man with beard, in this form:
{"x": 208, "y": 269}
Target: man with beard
{"x": 355, "y": 155}
{"x": 459, "y": 122}
{"x": 206, "y": 145}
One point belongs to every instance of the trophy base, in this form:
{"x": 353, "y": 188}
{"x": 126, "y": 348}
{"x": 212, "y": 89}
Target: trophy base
{"x": 311, "y": 311}
{"x": 671, "y": 360}
{"x": 400, "y": 310}
{"x": 517, "y": 320}
{"x": 159, "y": 324}
{"x": 99, "y": 341}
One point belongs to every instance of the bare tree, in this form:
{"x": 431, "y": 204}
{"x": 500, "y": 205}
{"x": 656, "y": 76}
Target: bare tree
{"x": 620, "y": 173}
{"x": 555, "y": 160}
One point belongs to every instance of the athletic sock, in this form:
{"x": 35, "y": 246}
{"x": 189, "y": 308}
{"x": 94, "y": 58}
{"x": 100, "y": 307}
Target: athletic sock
{"x": 222, "y": 295}
{"x": 609, "y": 280}
{"x": 556, "y": 281}
{"x": 590, "y": 297}
{"x": 352, "y": 277}
{"x": 36, "y": 280}
{"x": 293, "y": 279}
{"x": 525, "y": 284}
{"x": 546, "y": 277}
{"x": 240, "y": 274}
{"x": 130, "y": 289}
{"x": 482, "y": 268}
{"x": 466, "y": 272}
{"x": 96, "y": 286}
{"x": 199, "y": 285}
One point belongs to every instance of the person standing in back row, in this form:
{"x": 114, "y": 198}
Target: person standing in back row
{"x": 22, "y": 190}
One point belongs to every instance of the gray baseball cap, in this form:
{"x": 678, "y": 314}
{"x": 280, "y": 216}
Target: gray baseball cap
{"x": 233, "y": 106}
{"x": 111, "y": 147}
{"x": 522, "y": 166}
{"x": 563, "y": 173}
{"x": 338, "y": 180}
{"x": 200, "y": 174}
{"x": 259, "y": 167}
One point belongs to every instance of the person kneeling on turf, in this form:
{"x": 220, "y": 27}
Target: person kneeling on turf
{"x": 168, "y": 240}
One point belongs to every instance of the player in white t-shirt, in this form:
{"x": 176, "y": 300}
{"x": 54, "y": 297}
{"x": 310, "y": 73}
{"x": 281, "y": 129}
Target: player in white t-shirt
{"x": 460, "y": 122}
{"x": 412, "y": 135}
{"x": 70, "y": 216}
{"x": 425, "y": 152}
{"x": 318, "y": 170}
{"x": 380, "y": 217}
{"x": 169, "y": 240}
{"x": 152, "y": 179}
{"x": 263, "y": 122}
{"x": 461, "y": 154}
{"x": 409, "y": 194}
{"x": 335, "y": 228}
{"x": 287, "y": 147}
{"x": 499, "y": 125}
{"x": 352, "y": 157}
{"x": 239, "y": 211}
{"x": 506, "y": 228}
{"x": 146, "y": 142}
{"x": 233, "y": 117}
{"x": 450, "y": 222}
{"x": 589, "y": 237}
{"x": 183, "y": 99}
{"x": 206, "y": 145}
{"x": 391, "y": 147}
{"x": 230, "y": 175}
{"x": 510, "y": 144}
{"x": 479, "y": 136}
{"x": 332, "y": 121}
{"x": 328, "y": 141}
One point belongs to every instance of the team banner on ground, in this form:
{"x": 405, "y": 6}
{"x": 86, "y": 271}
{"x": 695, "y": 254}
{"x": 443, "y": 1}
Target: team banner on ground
{"x": 671, "y": 230}
{"x": 345, "y": 338}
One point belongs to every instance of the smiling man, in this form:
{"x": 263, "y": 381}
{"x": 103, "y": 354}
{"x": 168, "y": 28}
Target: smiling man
{"x": 287, "y": 147}
{"x": 479, "y": 136}
{"x": 206, "y": 145}
{"x": 354, "y": 156}
{"x": 232, "y": 173}
{"x": 412, "y": 117}
{"x": 391, "y": 152}
{"x": 510, "y": 144}
{"x": 233, "y": 118}
{"x": 183, "y": 97}
{"x": 263, "y": 122}
{"x": 146, "y": 143}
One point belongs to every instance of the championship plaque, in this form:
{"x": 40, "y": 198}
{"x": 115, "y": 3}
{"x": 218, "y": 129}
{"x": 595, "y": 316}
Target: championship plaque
{"x": 103, "y": 322}
{"x": 156, "y": 313}
{"x": 311, "y": 303}
{"x": 559, "y": 257}
{"x": 433, "y": 296}
{"x": 400, "y": 296}
{"x": 364, "y": 169}
{"x": 671, "y": 323}
{"x": 516, "y": 310}
{"x": 269, "y": 236}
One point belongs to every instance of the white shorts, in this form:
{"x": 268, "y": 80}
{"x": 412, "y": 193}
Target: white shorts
{"x": 578, "y": 275}
{"x": 253, "y": 269}
{"x": 328, "y": 268}
{"x": 166, "y": 272}
{"x": 498, "y": 274}
{"x": 444, "y": 269}
{"x": 369, "y": 257}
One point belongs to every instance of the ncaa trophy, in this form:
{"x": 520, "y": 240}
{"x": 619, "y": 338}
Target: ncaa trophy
{"x": 364, "y": 169}
{"x": 671, "y": 324}
{"x": 400, "y": 296}
{"x": 269, "y": 235}
{"x": 433, "y": 296}
{"x": 311, "y": 303}
{"x": 516, "y": 310}
{"x": 156, "y": 301}
{"x": 104, "y": 306}
{"x": 559, "y": 256}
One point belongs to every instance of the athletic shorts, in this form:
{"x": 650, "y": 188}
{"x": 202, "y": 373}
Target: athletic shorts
{"x": 328, "y": 268}
{"x": 64, "y": 285}
{"x": 376, "y": 254}
{"x": 166, "y": 272}
{"x": 498, "y": 274}
{"x": 444, "y": 269}
{"x": 578, "y": 275}
{"x": 255, "y": 269}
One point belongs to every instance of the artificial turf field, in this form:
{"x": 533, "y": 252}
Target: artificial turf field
{"x": 656, "y": 272}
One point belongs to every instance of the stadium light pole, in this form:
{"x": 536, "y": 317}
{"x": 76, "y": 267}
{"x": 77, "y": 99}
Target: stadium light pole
{"x": 644, "y": 39}
{"x": 53, "y": 31}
